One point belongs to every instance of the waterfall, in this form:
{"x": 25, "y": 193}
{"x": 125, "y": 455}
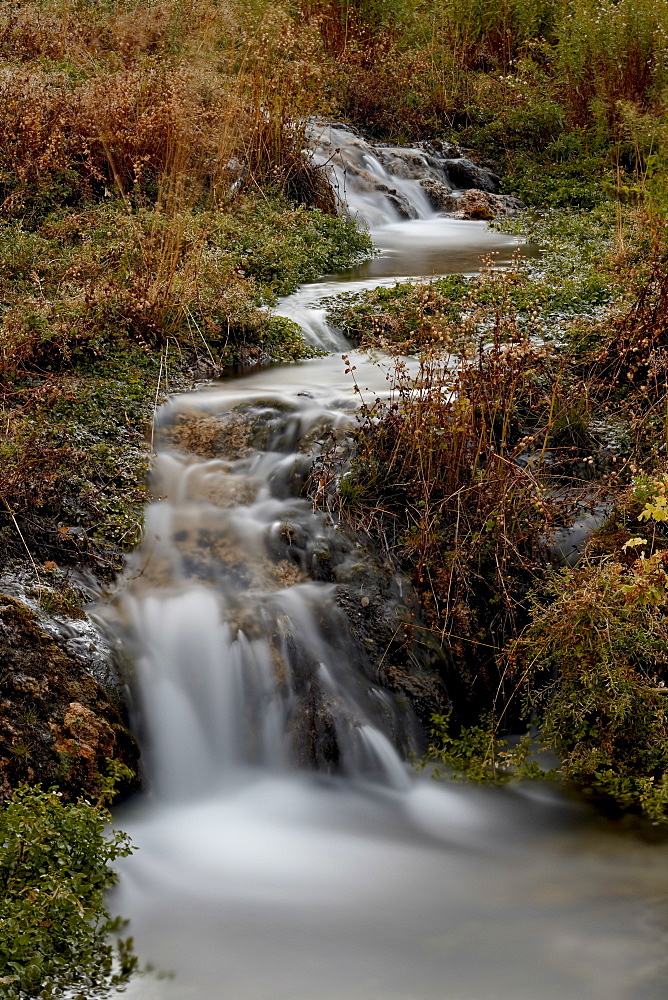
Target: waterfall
{"x": 240, "y": 655}
{"x": 286, "y": 849}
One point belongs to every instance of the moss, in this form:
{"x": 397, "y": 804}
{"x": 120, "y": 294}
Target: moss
{"x": 58, "y": 726}
{"x": 62, "y": 601}
{"x": 82, "y": 440}
{"x": 281, "y": 246}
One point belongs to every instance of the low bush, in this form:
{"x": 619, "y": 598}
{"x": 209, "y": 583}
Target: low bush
{"x": 435, "y": 482}
{"x": 55, "y": 928}
{"x": 477, "y": 753}
{"x": 593, "y": 666}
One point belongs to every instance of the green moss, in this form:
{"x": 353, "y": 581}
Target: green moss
{"x": 62, "y": 600}
{"x": 282, "y": 340}
{"x": 280, "y": 246}
{"x": 406, "y": 315}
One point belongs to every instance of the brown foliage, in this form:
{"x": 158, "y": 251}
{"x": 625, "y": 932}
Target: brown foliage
{"x": 436, "y": 482}
{"x": 635, "y": 351}
{"x": 88, "y": 105}
{"x": 57, "y": 724}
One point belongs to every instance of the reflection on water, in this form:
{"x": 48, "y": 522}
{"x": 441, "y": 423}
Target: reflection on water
{"x": 440, "y": 245}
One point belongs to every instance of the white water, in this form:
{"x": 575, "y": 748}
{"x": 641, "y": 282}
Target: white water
{"x": 263, "y": 875}
{"x": 421, "y": 248}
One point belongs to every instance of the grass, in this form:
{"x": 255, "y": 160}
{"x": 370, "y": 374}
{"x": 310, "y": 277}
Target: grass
{"x": 593, "y": 666}
{"x": 437, "y": 483}
{"x": 85, "y": 339}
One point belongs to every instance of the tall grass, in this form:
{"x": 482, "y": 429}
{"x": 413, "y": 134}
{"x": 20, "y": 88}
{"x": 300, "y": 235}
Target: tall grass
{"x": 489, "y": 34}
{"x": 417, "y": 68}
{"x": 183, "y": 97}
{"x": 174, "y": 113}
{"x": 437, "y": 483}
{"x": 612, "y": 50}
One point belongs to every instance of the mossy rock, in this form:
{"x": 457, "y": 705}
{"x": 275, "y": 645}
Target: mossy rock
{"x": 58, "y": 725}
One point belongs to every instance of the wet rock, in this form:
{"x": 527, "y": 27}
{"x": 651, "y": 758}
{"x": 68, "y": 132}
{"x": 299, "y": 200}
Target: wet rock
{"x": 440, "y": 196}
{"x": 447, "y": 150}
{"x": 476, "y": 204}
{"x": 411, "y": 164}
{"x": 58, "y": 725}
{"x": 210, "y": 436}
{"x": 366, "y": 181}
{"x": 465, "y": 174}
{"x": 312, "y": 729}
{"x": 385, "y": 623}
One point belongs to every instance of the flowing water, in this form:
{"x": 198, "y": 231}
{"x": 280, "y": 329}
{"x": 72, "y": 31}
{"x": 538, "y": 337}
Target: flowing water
{"x": 286, "y": 851}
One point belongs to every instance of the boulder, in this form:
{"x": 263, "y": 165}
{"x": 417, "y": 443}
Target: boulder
{"x": 58, "y": 724}
{"x": 476, "y": 204}
{"x": 440, "y": 196}
{"x": 465, "y": 174}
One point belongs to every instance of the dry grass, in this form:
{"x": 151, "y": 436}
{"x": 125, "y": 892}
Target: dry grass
{"x": 141, "y": 101}
{"x": 634, "y": 354}
{"x": 437, "y": 483}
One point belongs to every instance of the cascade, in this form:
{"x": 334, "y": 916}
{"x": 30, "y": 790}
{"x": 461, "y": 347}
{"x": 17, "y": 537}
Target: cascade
{"x": 286, "y": 850}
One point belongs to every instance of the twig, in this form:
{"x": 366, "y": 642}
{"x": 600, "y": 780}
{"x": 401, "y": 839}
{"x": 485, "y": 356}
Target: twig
{"x": 18, "y": 530}
{"x": 155, "y": 402}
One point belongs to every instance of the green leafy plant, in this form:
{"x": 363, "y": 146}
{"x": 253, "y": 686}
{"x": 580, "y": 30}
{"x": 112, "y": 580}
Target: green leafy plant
{"x": 55, "y": 868}
{"x": 592, "y": 665}
{"x": 477, "y": 753}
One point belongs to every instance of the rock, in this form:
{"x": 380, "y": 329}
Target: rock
{"x": 411, "y": 164}
{"x": 389, "y": 640}
{"x": 443, "y": 149}
{"x": 58, "y": 725}
{"x": 365, "y": 181}
{"x": 465, "y": 174}
{"x": 475, "y": 204}
{"x": 512, "y": 204}
{"x": 440, "y": 196}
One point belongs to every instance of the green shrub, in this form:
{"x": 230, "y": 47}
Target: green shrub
{"x": 593, "y": 666}
{"x": 477, "y": 753}
{"x": 524, "y": 120}
{"x": 55, "y": 868}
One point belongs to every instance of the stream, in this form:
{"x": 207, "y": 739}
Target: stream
{"x": 286, "y": 850}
